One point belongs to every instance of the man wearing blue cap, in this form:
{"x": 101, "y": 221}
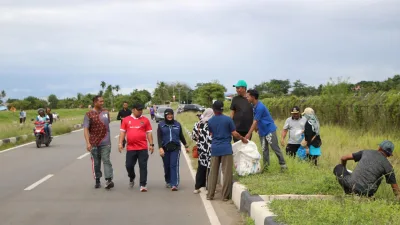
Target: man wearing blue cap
{"x": 368, "y": 174}
{"x": 241, "y": 110}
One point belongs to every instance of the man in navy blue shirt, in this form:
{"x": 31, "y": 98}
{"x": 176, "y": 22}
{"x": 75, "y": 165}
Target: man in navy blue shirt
{"x": 222, "y": 128}
{"x": 266, "y": 129}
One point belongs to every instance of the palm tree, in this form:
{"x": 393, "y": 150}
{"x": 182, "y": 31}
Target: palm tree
{"x": 117, "y": 88}
{"x": 3, "y": 94}
{"x": 103, "y": 85}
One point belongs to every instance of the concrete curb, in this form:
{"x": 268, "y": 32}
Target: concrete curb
{"x": 15, "y": 140}
{"x": 253, "y": 205}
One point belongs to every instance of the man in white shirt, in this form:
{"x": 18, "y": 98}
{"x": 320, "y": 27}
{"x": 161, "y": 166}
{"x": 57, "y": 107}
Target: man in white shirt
{"x": 295, "y": 126}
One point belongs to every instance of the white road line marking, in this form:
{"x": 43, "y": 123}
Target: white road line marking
{"x": 33, "y": 142}
{"x": 19, "y": 146}
{"x": 84, "y": 155}
{"x": 38, "y": 182}
{"x": 212, "y": 215}
{"x": 76, "y": 130}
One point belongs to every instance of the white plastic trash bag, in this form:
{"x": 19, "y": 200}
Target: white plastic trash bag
{"x": 246, "y": 158}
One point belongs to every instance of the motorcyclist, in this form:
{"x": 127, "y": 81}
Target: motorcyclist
{"x": 42, "y": 117}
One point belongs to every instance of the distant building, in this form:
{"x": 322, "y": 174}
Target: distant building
{"x": 3, "y": 108}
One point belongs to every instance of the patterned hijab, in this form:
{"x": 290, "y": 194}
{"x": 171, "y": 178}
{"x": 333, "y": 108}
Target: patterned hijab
{"x": 207, "y": 114}
{"x": 312, "y": 119}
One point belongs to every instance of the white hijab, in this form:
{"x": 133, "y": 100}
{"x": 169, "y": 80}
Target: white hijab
{"x": 207, "y": 114}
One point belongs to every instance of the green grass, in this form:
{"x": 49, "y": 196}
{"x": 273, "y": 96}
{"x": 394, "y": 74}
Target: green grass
{"x": 304, "y": 178}
{"x": 249, "y": 221}
{"x": 349, "y": 210}
{"x": 8, "y": 117}
{"x": 60, "y": 127}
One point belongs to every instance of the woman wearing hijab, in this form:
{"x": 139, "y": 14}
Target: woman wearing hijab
{"x": 170, "y": 136}
{"x": 201, "y": 135}
{"x": 312, "y": 140}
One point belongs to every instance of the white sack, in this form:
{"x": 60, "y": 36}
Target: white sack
{"x": 246, "y": 158}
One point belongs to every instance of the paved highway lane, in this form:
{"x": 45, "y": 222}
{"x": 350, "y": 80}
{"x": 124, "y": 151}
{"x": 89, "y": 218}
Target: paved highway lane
{"x": 65, "y": 192}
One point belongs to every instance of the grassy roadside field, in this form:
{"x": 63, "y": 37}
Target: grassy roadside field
{"x": 10, "y": 127}
{"x": 303, "y": 178}
{"x": 349, "y": 210}
{"x": 8, "y": 130}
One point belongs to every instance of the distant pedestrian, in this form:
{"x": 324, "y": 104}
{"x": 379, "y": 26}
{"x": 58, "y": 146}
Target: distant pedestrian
{"x": 139, "y": 137}
{"x": 152, "y": 112}
{"x": 312, "y": 140}
{"x": 294, "y": 125}
{"x": 22, "y": 116}
{"x": 124, "y": 112}
{"x": 222, "y": 128}
{"x": 241, "y": 110}
{"x": 371, "y": 168}
{"x": 96, "y": 126}
{"x": 201, "y": 134}
{"x": 170, "y": 136}
{"x": 266, "y": 129}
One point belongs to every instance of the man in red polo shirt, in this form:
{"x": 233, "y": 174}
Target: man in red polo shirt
{"x": 138, "y": 131}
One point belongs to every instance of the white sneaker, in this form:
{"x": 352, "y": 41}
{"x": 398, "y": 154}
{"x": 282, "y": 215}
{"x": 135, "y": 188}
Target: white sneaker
{"x": 196, "y": 191}
{"x": 143, "y": 189}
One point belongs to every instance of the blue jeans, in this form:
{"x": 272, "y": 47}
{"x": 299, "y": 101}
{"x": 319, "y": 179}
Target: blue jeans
{"x": 171, "y": 167}
{"x": 102, "y": 153}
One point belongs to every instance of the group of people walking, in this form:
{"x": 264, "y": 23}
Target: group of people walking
{"x": 213, "y": 134}
{"x": 136, "y": 136}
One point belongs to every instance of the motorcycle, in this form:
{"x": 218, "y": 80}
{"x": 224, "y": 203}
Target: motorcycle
{"x": 41, "y": 136}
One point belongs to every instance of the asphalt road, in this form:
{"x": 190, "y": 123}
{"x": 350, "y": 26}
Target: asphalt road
{"x": 67, "y": 195}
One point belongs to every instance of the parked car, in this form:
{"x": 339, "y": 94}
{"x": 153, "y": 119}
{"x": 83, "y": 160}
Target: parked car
{"x": 193, "y": 108}
{"x": 159, "y": 115}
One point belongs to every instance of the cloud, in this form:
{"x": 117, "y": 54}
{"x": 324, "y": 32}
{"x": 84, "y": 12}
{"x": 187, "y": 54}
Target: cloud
{"x": 78, "y": 43}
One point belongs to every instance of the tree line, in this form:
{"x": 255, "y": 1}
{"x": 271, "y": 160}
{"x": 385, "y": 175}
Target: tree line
{"x": 204, "y": 93}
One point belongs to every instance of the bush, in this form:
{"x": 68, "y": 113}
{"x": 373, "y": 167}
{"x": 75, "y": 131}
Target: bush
{"x": 378, "y": 111}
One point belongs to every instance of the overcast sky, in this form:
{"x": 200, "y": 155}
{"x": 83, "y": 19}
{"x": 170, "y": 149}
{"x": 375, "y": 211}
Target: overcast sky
{"x": 64, "y": 47}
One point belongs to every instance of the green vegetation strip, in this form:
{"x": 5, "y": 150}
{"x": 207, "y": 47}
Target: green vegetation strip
{"x": 349, "y": 210}
{"x": 304, "y": 178}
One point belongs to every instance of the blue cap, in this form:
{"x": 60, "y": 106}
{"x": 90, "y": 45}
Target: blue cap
{"x": 241, "y": 83}
{"x": 387, "y": 147}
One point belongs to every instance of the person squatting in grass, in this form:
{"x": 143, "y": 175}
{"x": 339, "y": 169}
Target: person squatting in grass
{"x": 170, "y": 136}
{"x": 371, "y": 168}
{"x": 222, "y": 128}
{"x": 312, "y": 140}
{"x": 294, "y": 125}
{"x": 266, "y": 129}
{"x": 138, "y": 132}
{"x": 201, "y": 134}
{"x": 96, "y": 125}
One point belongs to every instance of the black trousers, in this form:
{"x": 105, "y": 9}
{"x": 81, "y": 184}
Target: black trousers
{"x": 132, "y": 156}
{"x": 291, "y": 149}
{"x": 243, "y": 133}
{"x": 201, "y": 176}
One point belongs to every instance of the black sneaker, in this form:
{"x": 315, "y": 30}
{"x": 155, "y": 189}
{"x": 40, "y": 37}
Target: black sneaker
{"x": 109, "y": 184}
{"x": 98, "y": 184}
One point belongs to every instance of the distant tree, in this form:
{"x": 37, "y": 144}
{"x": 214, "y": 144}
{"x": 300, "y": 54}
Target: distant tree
{"x": 117, "y": 88}
{"x": 339, "y": 87}
{"x": 53, "y": 101}
{"x": 205, "y": 93}
{"x": 2, "y": 95}
{"x": 273, "y": 87}
{"x": 103, "y": 85}
{"x": 301, "y": 89}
